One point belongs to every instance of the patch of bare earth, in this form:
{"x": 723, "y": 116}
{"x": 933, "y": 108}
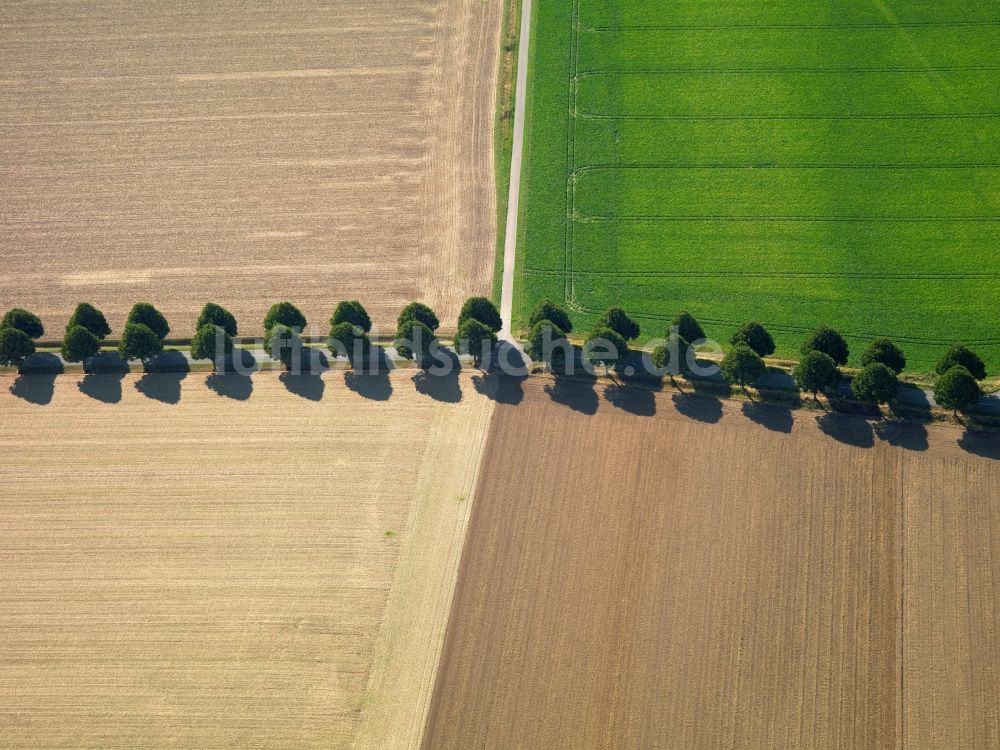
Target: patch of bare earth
{"x": 642, "y": 571}
{"x": 181, "y": 151}
{"x": 271, "y": 567}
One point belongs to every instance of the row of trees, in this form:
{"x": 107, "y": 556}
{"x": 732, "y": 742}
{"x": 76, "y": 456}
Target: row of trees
{"x": 416, "y": 331}
{"x": 824, "y": 352}
{"x": 146, "y": 328}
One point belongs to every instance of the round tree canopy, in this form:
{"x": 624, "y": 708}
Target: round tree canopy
{"x": 25, "y": 321}
{"x": 353, "y": 312}
{"x": 286, "y": 314}
{"x": 91, "y": 318}
{"x": 755, "y": 336}
{"x": 419, "y": 311}
{"x": 217, "y": 315}
{"x": 483, "y": 310}
{"x": 149, "y": 316}
{"x": 825, "y": 339}
{"x": 550, "y": 311}
{"x": 139, "y": 341}
{"x": 79, "y": 344}
{"x": 15, "y": 345}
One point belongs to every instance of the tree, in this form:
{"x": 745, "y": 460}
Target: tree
{"x": 550, "y": 311}
{"x": 618, "y": 321}
{"x": 286, "y": 314}
{"x": 607, "y": 347}
{"x": 348, "y": 340}
{"x": 418, "y": 311}
{"x": 816, "y": 372}
{"x": 15, "y": 345}
{"x": 672, "y": 356}
{"x": 483, "y": 310}
{"x": 884, "y": 351}
{"x": 688, "y": 328}
{"x": 216, "y": 315}
{"x": 957, "y": 389}
{"x": 91, "y": 318}
{"x": 147, "y": 315}
{"x": 742, "y": 366}
{"x": 962, "y": 356}
{"x": 284, "y": 344}
{"x": 825, "y": 339}
{"x": 80, "y": 344}
{"x": 876, "y": 384}
{"x": 414, "y": 340}
{"x": 547, "y": 343}
{"x": 352, "y": 312}
{"x": 139, "y": 341}
{"x": 212, "y": 342}
{"x": 755, "y": 336}
{"x": 475, "y": 338}
{"x": 24, "y": 321}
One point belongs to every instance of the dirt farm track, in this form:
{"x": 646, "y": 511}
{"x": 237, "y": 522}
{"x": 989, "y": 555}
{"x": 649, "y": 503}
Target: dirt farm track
{"x": 674, "y": 573}
{"x": 181, "y": 151}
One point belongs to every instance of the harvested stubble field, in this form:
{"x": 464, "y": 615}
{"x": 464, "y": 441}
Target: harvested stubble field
{"x": 681, "y": 574}
{"x": 798, "y": 162}
{"x": 217, "y": 572}
{"x": 180, "y": 151}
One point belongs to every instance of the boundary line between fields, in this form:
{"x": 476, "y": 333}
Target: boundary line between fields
{"x": 516, "y": 156}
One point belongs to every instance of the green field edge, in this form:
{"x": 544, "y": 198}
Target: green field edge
{"x": 503, "y": 129}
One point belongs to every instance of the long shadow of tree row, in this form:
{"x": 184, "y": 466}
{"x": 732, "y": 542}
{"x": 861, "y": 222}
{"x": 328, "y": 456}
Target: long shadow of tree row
{"x": 699, "y": 399}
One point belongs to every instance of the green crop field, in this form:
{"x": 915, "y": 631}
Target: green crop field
{"x": 796, "y": 162}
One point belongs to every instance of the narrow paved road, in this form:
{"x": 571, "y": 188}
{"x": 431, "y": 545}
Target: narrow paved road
{"x": 514, "y": 197}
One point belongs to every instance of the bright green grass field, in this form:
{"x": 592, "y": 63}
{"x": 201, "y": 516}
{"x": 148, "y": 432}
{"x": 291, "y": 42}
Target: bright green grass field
{"x": 796, "y": 162}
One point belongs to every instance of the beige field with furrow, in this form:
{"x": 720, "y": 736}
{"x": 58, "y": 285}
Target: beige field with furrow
{"x": 951, "y": 646}
{"x": 676, "y": 574}
{"x": 179, "y": 151}
{"x": 268, "y": 572}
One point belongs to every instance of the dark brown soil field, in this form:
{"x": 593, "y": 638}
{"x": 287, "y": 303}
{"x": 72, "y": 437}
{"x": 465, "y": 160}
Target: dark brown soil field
{"x": 690, "y": 573}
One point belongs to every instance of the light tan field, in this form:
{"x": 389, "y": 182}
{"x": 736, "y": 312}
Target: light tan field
{"x": 179, "y": 151}
{"x": 694, "y": 578}
{"x": 216, "y": 572}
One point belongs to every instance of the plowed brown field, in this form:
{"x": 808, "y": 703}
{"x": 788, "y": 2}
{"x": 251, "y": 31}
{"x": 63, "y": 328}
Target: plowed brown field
{"x": 274, "y": 572}
{"x": 178, "y": 151}
{"x": 694, "y": 578}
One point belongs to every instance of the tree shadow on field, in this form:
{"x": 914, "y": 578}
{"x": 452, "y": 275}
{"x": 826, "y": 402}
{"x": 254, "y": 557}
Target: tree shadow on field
{"x": 105, "y": 387}
{"x": 579, "y": 393}
{"x": 232, "y": 378}
{"x": 162, "y": 378}
{"x": 847, "y": 429}
{"x": 307, "y": 385}
{"x": 441, "y": 386}
{"x": 903, "y": 434}
{"x": 103, "y": 379}
{"x": 636, "y": 400}
{"x": 232, "y": 385}
{"x": 774, "y": 417}
{"x": 375, "y": 386}
{"x": 701, "y": 407}
{"x": 36, "y": 380}
{"x": 983, "y": 444}
{"x": 503, "y": 379}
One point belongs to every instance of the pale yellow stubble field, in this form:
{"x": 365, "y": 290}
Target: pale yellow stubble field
{"x": 268, "y": 572}
{"x": 178, "y": 151}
